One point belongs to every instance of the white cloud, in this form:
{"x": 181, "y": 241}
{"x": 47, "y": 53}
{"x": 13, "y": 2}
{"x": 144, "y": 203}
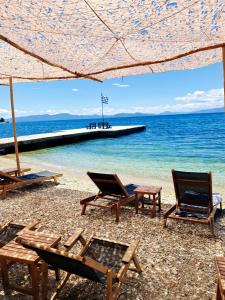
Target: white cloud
{"x": 213, "y": 96}
{"x": 121, "y": 85}
{"x": 75, "y": 90}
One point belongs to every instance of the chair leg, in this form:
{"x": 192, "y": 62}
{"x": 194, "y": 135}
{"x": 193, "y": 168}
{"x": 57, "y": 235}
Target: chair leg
{"x": 221, "y": 208}
{"x": 83, "y": 209}
{"x": 117, "y": 213}
{"x": 218, "y": 294}
{"x": 136, "y": 263}
{"x": 211, "y": 224}
{"x": 109, "y": 292}
{"x": 57, "y": 274}
{"x": 164, "y": 222}
{"x": 3, "y": 194}
{"x": 44, "y": 269}
{"x": 60, "y": 286}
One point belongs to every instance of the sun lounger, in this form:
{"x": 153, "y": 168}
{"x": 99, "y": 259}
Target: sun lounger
{"x": 112, "y": 190}
{"x": 9, "y": 182}
{"x": 104, "y": 261}
{"x": 195, "y": 201}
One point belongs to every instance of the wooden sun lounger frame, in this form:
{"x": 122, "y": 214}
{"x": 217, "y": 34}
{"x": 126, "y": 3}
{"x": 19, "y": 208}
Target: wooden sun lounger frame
{"x": 14, "y": 171}
{"x": 117, "y": 200}
{"x": 220, "y": 270}
{"x": 111, "y": 292}
{"x": 211, "y": 210}
{"x": 18, "y": 183}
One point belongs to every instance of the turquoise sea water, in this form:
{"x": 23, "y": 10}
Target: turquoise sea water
{"x": 194, "y": 142}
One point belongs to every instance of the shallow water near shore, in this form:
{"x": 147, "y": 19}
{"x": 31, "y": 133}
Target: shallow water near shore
{"x": 194, "y": 142}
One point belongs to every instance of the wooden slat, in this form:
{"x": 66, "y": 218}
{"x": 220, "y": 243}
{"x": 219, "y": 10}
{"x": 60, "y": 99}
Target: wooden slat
{"x": 130, "y": 252}
{"x": 74, "y": 238}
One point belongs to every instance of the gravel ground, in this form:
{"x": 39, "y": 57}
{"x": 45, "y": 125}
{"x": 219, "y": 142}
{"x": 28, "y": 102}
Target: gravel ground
{"x": 177, "y": 262}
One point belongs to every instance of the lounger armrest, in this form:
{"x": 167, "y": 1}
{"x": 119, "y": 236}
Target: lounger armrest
{"x": 33, "y": 225}
{"x": 169, "y": 211}
{"x": 130, "y": 252}
{"x": 74, "y": 238}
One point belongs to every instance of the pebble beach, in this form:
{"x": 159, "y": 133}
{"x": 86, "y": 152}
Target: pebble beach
{"x": 177, "y": 262}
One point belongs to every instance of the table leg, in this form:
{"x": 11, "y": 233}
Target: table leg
{"x": 159, "y": 201}
{"x": 35, "y": 281}
{"x": 154, "y": 206}
{"x": 44, "y": 286}
{"x": 5, "y": 276}
{"x": 136, "y": 203}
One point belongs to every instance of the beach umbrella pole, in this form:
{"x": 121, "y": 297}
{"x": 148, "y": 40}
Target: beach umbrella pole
{"x": 14, "y": 126}
{"x": 223, "y": 54}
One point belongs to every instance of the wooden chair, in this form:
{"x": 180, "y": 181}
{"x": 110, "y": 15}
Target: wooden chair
{"x": 112, "y": 190}
{"x": 9, "y": 182}
{"x": 220, "y": 269}
{"x": 195, "y": 201}
{"x": 103, "y": 261}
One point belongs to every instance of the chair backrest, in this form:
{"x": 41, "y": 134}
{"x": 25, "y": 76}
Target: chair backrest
{"x": 193, "y": 189}
{"x": 108, "y": 184}
{"x": 64, "y": 261}
{"x": 9, "y": 232}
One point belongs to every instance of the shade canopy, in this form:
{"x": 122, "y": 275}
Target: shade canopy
{"x": 63, "y": 39}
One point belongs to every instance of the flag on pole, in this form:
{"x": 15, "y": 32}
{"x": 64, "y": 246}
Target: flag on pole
{"x": 105, "y": 100}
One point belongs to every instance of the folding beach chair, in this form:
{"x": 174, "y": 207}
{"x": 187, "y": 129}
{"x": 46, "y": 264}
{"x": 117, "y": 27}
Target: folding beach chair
{"x": 112, "y": 190}
{"x": 103, "y": 261}
{"x": 195, "y": 201}
{"x": 9, "y": 182}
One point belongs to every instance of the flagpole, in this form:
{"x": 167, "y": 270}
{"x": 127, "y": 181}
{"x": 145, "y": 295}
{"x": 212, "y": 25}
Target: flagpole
{"x": 102, "y": 109}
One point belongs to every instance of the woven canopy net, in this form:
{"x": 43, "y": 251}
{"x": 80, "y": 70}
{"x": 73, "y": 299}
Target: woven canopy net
{"x": 65, "y": 39}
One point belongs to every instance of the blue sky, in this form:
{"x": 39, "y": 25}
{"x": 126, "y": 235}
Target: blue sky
{"x": 182, "y": 91}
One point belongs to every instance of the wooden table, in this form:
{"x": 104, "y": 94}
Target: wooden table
{"x": 14, "y": 252}
{"x": 154, "y": 199}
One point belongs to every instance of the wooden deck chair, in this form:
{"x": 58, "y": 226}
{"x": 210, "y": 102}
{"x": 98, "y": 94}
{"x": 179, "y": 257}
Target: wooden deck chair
{"x": 103, "y": 261}
{"x": 9, "y": 182}
{"x": 195, "y": 201}
{"x": 220, "y": 269}
{"x": 112, "y": 190}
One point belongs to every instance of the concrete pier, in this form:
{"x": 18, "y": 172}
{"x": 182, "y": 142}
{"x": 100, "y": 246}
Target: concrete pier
{"x": 63, "y": 137}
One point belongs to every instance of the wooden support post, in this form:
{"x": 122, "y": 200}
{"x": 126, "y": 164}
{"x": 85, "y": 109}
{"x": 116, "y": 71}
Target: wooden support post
{"x": 14, "y": 126}
{"x": 223, "y": 54}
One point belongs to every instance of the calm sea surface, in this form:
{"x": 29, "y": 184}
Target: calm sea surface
{"x": 194, "y": 142}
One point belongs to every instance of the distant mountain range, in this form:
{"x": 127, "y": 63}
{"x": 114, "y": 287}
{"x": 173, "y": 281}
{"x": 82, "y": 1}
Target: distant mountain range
{"x": 58, "y": 117}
